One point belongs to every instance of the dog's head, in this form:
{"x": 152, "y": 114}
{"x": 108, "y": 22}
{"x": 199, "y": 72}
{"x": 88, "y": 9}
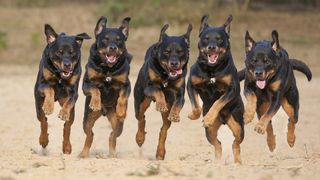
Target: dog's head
{"x": 172, "y": 52}
{"x": 64, "y": 51}
{"x": 110, "y": 42}
{"x": 214, "y": 41}
{"x": 263, "y": 58}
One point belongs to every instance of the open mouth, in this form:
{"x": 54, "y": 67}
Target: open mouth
{"x": 66, "y": 74}
{"x": 213, "y": 57}
{"x": 261, "y": 84}
{"x": 175, "y": 72}
{"x": 111, "y": 57}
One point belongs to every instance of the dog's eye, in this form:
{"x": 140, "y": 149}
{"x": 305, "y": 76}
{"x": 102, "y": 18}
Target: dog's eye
{"x": 219, "y": 41}
{"x": 166, "y": 52}
{"x": 253, "y": 61}
{"x": 59, "y": 52}
{"x": 267, "y": 61}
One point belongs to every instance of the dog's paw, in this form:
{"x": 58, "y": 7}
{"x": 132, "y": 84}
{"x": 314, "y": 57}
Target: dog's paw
{"x": 195, "y": 114}
{"x": 209, "y": 120}
{"x": 173, "y": 117}
{"x": 48, "y": 107}
{"x": 260, "y": 128}
{"x": 95, "y": 104}
{"x": 247, "y": 118}
{"x": 83, "y": 154}
{"x": 161, "y": 106}
{"x": 291, "y": 138}
{"x": 64, "y": 115}
{"x": 66, "y": 148}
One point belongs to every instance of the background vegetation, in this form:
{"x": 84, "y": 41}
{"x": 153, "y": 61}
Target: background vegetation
{"x": 22, "y": 39}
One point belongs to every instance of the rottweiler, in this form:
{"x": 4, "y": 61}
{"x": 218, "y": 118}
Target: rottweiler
{"x": 58, "y": 80}
{"x": 214, "y": 77}
{"x": 162, "y": 79}
{"x": 269, "y": 84}
{"x": 106, "y": 84}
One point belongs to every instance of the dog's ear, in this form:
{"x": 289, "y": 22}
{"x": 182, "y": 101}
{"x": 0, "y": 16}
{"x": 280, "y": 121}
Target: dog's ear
{"x": 81, "y": 37}
{"x": 50, "y": 33}
{"x": 249, "y": 42}
{"x": 162, "y": 34}
{"x": 101, "y": 24}
{"x": 187, "y": 35}
{"x": 204, "y": 23}
{"x": 125, "y": 26}
{"x": 227, "y": 24}
{"x": 275, "y": 41}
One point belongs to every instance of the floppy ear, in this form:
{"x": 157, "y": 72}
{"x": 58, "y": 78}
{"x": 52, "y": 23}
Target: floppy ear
{"x": 81, "y": 37}
{"x": 187, "y": 35}
{"x": 227, "y": 24}
{"x": 101, "y": 24}
{"x": 204, "y": 23}
{"x": 50, "y": 33}
{"x": 125, "y": 26}
{"x": 249, "y": 42}
{"x": 275, "y": 41}
{"x": 163, "y": 33}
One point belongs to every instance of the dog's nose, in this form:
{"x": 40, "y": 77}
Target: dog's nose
{"x": 211, "y": 47}
{"x": 67, "y": 65}
{"x": 174, "y": 64}
{"x": 112, "y": 47}
{"x": 258, "y": 73}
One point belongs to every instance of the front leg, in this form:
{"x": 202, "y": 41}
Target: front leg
{"x": 231, "y": 92}
{"x": 178, "y": 103}
{"x": 67, "y": 105}
{"x": 90, "y": 90}
{"x": 48, "y": 103}
{"x": 122, "y": 101}
{"x": 261, "y": 126}
{"x": 251, "y": 104}
{"x": 194, "y": 98}
{"x": 155, "y": 93}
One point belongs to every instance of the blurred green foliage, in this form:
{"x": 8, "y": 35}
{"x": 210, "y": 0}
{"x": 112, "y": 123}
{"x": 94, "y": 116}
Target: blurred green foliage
{"x": 36, "y": 39}
{"x": 3, "y": 40}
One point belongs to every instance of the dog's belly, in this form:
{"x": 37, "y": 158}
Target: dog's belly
{"x": 109, "y": 95}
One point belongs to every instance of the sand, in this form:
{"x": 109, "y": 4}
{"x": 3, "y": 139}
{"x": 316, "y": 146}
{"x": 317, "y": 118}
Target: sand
{"x": 189, "y": 155}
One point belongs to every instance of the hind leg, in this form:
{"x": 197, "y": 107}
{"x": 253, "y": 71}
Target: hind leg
{"x": 140, "y": 108}
{"x": 66, "y": 145}
{"x": 89, "y": 119}
{"x": 237, "y": 131}
{"x": 211, "y": 134}
{"x": 43, "y": 138}
{"x": 117, "y": 126}
{"x": 161, "y": 150}
{"x": 290, "y": 105}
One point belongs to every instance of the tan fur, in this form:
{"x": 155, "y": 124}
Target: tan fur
{"x": 250, "y": 108}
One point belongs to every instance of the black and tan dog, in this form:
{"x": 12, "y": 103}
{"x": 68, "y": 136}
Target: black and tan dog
{"x": 58, "y": 80}
{"x": 269, "y": 84}
{"x": 214, "y": 78}
{"x": 106, "y": 83}
{"x": 162, "y": 79}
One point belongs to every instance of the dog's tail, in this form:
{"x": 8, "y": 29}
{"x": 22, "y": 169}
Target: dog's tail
{"x": 242, "y": 74}
{"x": 301, "y": 67}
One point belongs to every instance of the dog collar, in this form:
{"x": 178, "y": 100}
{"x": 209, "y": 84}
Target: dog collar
{"x": 108, "y": 78}
{"x": 165, "y": 83}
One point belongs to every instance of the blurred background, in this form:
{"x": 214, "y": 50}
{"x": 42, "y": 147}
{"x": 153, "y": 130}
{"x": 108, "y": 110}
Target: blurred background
{"x": 22, "y": 22}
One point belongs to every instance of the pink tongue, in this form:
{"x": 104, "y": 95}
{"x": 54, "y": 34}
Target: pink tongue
{"x": 179, "y": 71}
{"x": 111, "y": 58}
{"x": 261, "y": 84}
{"x": 213, "y": 58}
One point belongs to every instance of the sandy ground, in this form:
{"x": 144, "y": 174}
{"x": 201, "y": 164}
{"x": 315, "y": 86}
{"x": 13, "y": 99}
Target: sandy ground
{"x": 189, "y": 155}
